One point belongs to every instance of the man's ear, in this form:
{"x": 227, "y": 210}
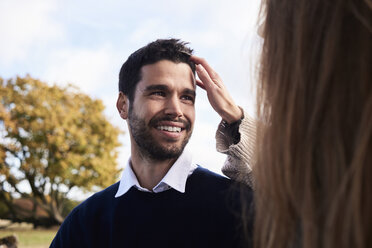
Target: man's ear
{"x": 122, "y": 105}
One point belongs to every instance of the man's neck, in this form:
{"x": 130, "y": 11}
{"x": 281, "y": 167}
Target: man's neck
{"x": 149, "y": 172}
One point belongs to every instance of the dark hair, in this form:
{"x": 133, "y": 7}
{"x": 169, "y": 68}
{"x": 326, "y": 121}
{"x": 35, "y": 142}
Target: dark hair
{"x": 174, "y": 50}
{"x": 314, "y": 154}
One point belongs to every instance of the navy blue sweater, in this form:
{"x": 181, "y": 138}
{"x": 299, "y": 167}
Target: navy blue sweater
{"x": 206, "y": 215}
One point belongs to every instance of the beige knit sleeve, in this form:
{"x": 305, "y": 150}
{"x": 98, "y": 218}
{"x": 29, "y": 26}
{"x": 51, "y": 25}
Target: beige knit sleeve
{"x": 238, "y": 164}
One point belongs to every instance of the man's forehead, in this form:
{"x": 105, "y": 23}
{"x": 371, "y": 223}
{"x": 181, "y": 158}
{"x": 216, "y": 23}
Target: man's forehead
{"x": 164, "y": 69}
{"x": 161, "y": 61}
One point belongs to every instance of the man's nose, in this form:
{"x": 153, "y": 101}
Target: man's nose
{"x": 173, "y": 107}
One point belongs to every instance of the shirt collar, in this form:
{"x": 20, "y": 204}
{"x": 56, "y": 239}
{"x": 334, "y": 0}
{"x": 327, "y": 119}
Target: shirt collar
{"x": 175, "y": 178}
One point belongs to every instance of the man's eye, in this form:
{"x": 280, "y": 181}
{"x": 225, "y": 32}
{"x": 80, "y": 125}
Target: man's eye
{"x": 188, "y": 98}
{"x": 158, "y": 93}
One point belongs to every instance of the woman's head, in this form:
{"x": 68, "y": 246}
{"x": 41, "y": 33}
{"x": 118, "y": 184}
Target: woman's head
{"x": 314, "y": 171}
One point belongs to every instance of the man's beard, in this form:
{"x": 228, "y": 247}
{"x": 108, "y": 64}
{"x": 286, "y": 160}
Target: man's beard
{"x": 148, "y": 145}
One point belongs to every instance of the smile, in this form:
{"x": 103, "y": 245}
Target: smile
{"x": 169, "y": 129}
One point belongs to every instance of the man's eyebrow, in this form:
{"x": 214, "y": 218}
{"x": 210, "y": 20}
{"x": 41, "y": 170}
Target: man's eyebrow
{"x": 156, "y": 87}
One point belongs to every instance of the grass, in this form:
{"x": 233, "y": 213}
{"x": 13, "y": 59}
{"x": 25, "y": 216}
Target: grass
{"x": 38, "y": 238}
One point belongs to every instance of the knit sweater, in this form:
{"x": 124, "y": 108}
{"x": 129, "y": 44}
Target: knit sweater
{"x": 206, "y": 215}
{"x": 240, "y": 155}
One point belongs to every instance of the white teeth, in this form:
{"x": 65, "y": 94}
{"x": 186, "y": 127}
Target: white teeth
{"x": 169, "y": 128}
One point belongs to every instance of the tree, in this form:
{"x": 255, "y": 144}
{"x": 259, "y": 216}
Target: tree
{"x": 54, "y": 139}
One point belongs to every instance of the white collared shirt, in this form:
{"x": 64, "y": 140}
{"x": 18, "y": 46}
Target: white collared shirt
{"x": 175, "y": 178}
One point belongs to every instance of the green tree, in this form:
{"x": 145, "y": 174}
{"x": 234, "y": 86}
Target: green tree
{"x": 52, "y": 139}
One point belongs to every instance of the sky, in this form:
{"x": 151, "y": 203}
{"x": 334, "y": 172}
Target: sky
{"x": 85, "y": 43}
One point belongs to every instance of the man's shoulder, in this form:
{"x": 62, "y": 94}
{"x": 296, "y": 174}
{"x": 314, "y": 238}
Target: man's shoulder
{"x": 98, "y": 201}
{"x": 85, "y": 219}
{"x": 205, "y": 174}
{"x": 204, "y": 178}
{"x": 108, "y": 192}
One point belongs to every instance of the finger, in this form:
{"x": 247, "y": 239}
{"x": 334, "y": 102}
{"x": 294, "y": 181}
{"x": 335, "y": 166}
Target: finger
{"x": 200, "y": 84}
{"x": 196, "y": 59}
{"x": 207, "y": 67}
{"x": 204, "y": 76}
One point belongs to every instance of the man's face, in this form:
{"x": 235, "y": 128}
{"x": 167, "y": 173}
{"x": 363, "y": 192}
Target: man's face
{"x": 161, "y": 117}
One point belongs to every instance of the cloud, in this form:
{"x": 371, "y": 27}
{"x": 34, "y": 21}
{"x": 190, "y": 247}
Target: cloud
{"x": 92, "y": 70}
{"x": 24, "y": 25}
{"x": 149, "y": 30}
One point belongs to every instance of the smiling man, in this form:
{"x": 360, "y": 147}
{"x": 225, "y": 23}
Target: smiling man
{"x": 160, "y": 114}
{"x": 163, "y": 199}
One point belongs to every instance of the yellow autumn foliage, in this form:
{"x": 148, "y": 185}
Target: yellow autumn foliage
{"x": 55, "y": 138}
